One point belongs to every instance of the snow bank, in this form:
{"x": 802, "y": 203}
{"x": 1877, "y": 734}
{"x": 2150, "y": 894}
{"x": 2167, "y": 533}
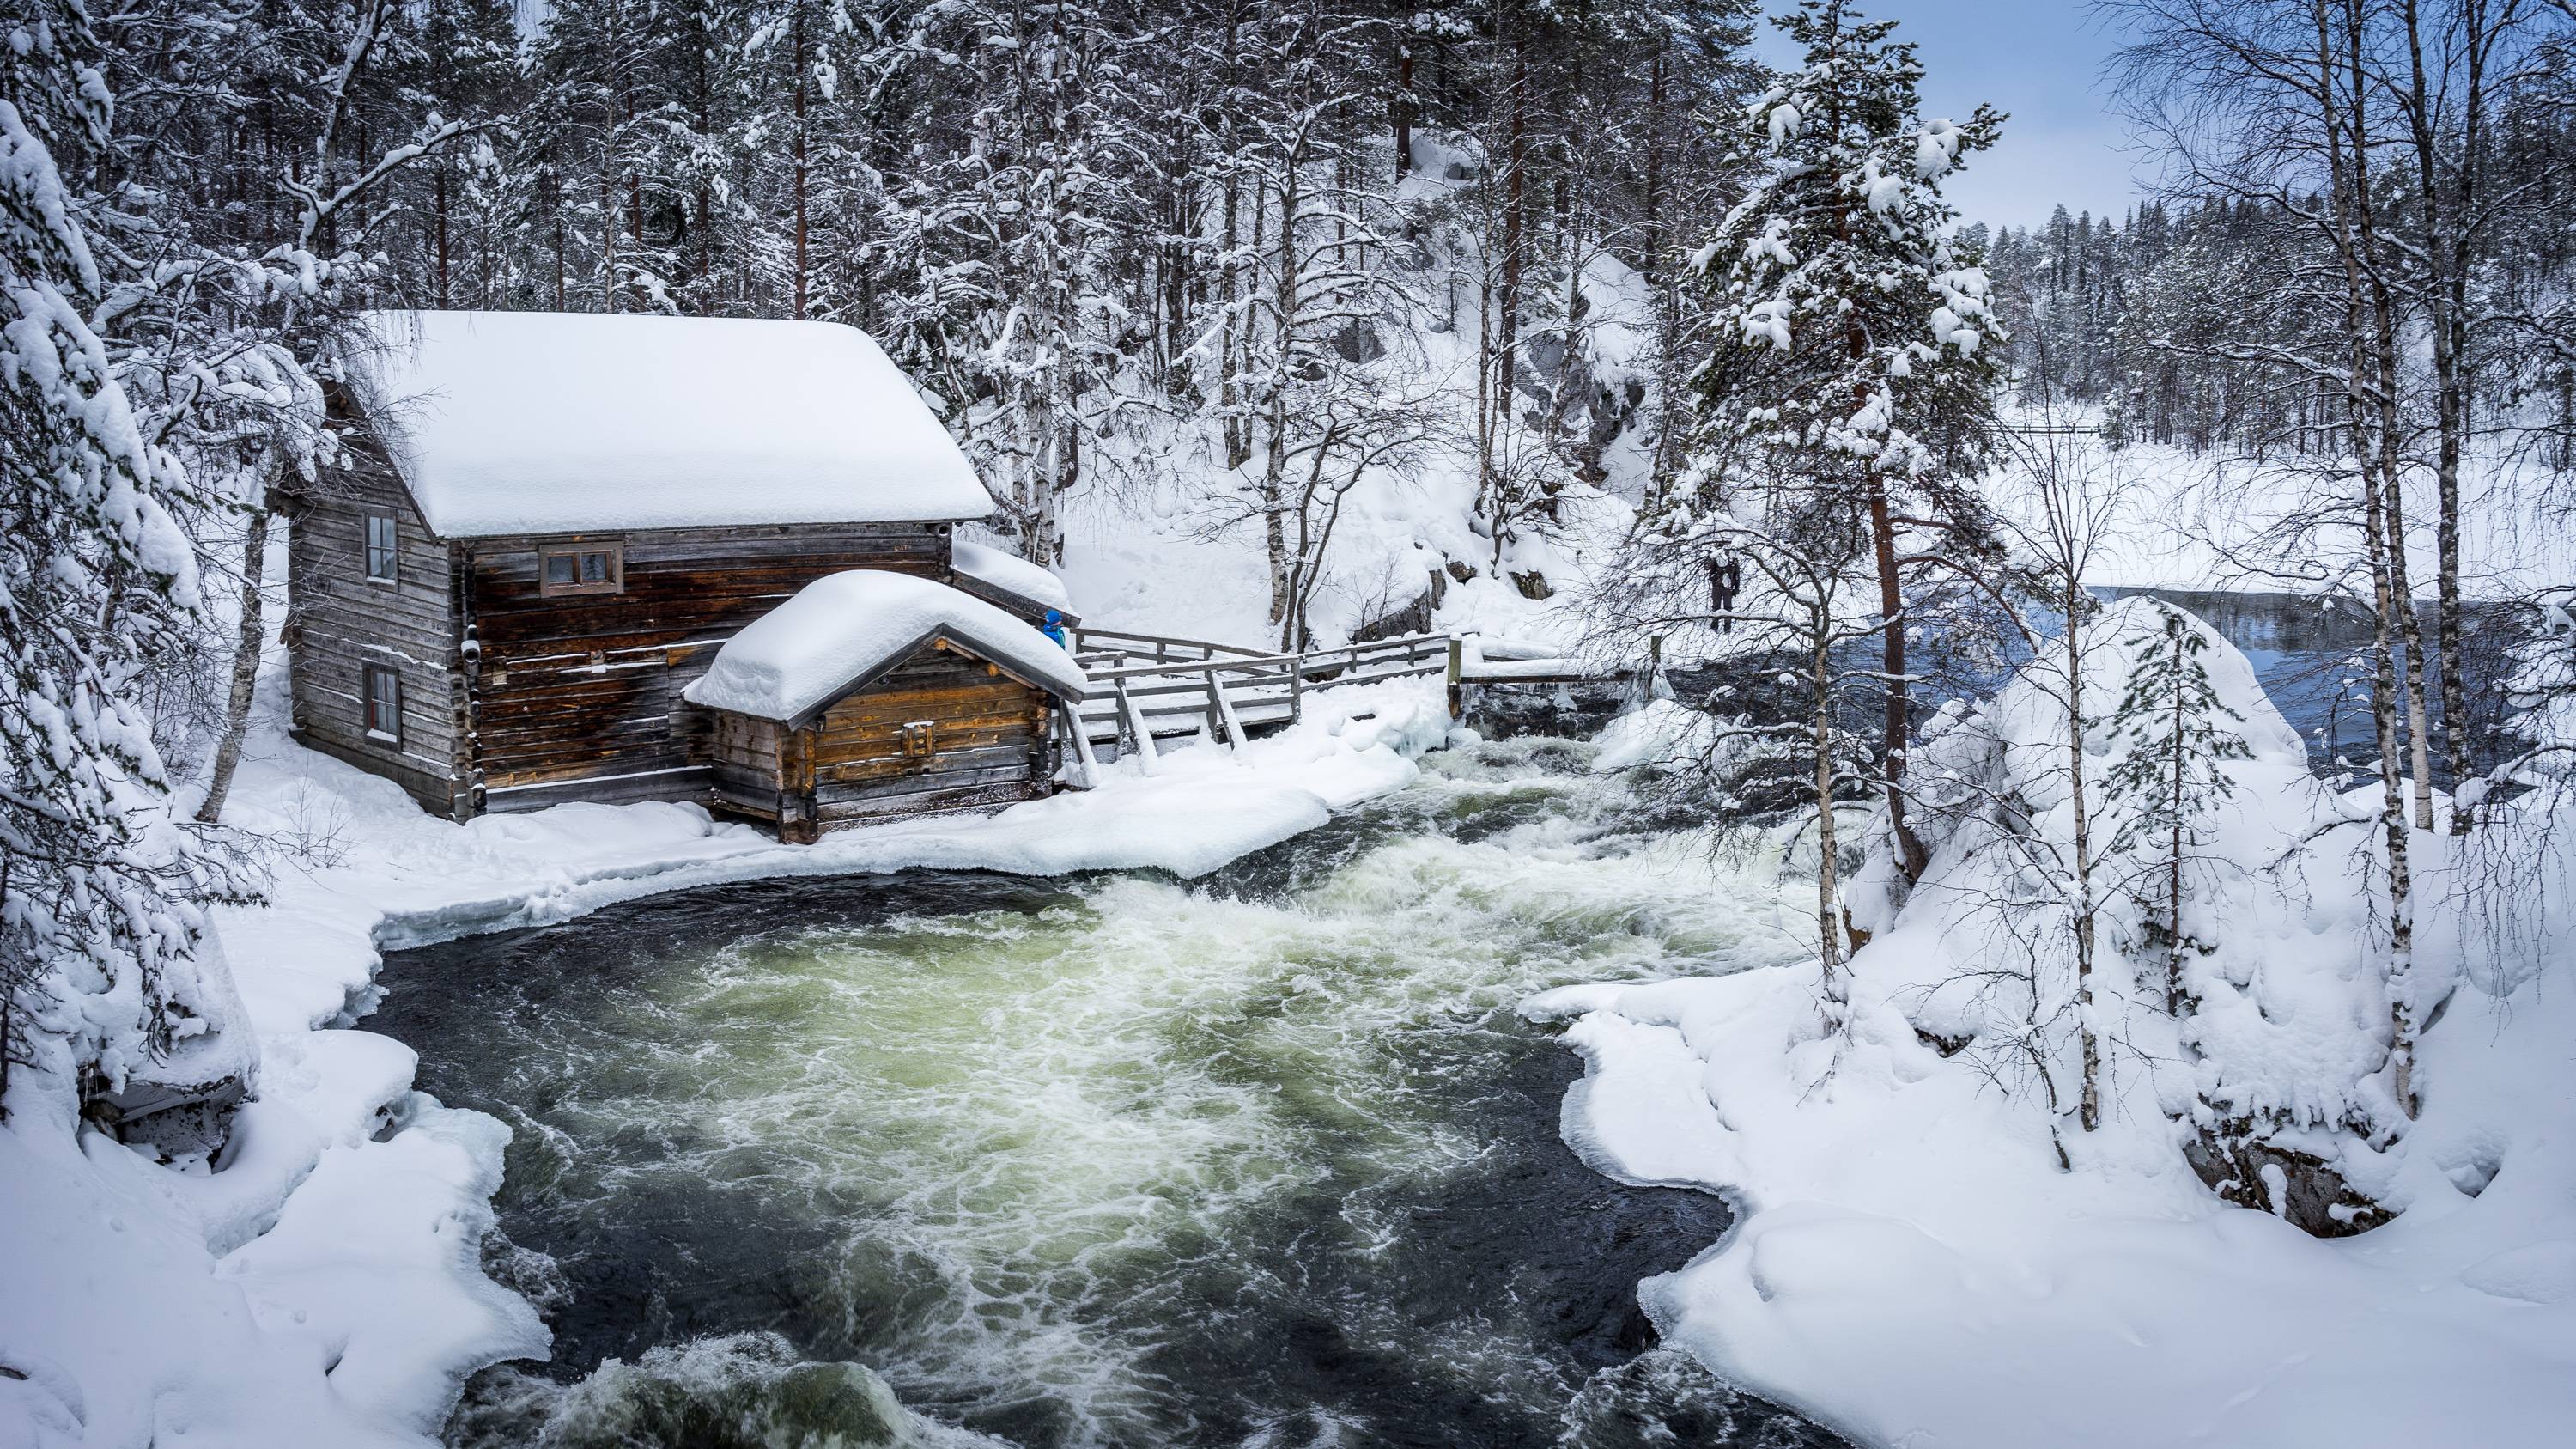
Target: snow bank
{"x": 1912, "y": 1266}
{"x": 844, "y": 626}
{"x": 533, "y": 422}
{"x": 1011, "y": 574}
{"x": 323, "y": 1289}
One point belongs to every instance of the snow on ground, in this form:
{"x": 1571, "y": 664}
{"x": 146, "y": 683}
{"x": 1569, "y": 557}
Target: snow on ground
{"x": 324, "y": 1288}
{"x": 1162, "y": 573}
{"x": 1912, "y": 1269}
{"x": 1911, "y": 1265}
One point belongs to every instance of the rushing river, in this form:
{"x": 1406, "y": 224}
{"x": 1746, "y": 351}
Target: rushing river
{"x": 1266, "y": 1159}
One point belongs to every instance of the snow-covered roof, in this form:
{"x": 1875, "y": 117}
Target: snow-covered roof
{"x": 843, "y": 628}
{"x": 551, "y": 422}
{"x": 1011, "y": 574}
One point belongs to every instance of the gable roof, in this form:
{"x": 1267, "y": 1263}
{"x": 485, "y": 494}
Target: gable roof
{"x": 844, "y": 629}
{"x": 551, "y": 422}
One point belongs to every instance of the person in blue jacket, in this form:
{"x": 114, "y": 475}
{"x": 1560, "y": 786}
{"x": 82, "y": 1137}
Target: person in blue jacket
{"x": 1053, "y": 628}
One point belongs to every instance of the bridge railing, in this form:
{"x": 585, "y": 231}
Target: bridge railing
{"x": 1188, "y": 684}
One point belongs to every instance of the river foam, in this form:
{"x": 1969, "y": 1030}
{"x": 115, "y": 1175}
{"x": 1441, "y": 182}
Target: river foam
{"x": 1122, "y": 1160}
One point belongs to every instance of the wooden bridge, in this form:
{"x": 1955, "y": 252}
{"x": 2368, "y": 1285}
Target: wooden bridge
{"x": 1149, "y": 687}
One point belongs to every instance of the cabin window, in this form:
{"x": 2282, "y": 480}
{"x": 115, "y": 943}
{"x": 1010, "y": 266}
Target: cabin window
{"x": 384, "y": 704}
{"x": 383, "y": 548}
{"x": 581, "y": 569}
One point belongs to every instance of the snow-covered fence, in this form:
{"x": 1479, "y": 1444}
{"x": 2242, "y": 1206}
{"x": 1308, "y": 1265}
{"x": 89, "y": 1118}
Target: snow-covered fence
{"x": 1149, "y": 686}
{"x": 1146, "y": 686}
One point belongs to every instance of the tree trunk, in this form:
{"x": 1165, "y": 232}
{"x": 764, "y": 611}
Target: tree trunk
{"x": 2342, "y": 156}
{"x": 1400, "y": 108}
{"x": 1910, "y": 855}
{"x": 2089, "y": 1106}
{"x": 246, "y": 650}
{"x": 1515, "y": 232}
{"x": 1829, "y": 941}
{"x": 1235, "y": 330}
{"x": 2383, "y": 345}
{"x": 2448, "y": 244}
{"x": 439, "y": 181}
{"x": 1274, "y": 484}
{"x": 798, "y": 22}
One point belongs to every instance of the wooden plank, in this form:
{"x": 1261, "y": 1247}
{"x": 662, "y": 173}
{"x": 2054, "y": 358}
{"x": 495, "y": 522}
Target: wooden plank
{"x": 1005, "y": 734}
{"x": 835, "y": 791}
{"x": 686, "y": 783}
{"x": 897, "y": 807}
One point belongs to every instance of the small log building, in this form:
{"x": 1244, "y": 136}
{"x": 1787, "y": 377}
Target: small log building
{"x": 873, "y": 694}
{"x": 547, "y": 526}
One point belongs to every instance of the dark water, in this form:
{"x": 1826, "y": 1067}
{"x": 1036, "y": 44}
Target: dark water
{"x": 2313, "y": 658}
{"x": 1266, "y": 1159}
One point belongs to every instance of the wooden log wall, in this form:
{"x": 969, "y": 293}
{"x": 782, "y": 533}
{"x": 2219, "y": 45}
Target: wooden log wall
{"x": 990, "y": 741}
{"x": 339, "y": 621}
{"x": 578, "y": 697}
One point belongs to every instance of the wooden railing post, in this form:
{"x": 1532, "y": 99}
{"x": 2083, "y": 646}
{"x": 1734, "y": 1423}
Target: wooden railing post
{"x": 1457, "y": 676}
{"x": 1224, "y": 707}
{"x": 1143, "y": 730}
{"x": 1080, "y": 729}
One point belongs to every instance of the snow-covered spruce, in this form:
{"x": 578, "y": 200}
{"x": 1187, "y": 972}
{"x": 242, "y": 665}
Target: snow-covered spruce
{"x": 106, "y": 989}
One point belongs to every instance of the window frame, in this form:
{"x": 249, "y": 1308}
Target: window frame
{"x": 615, "y": 583}
{"x": 392, "y": 549}
{"x": 368, "y": 699}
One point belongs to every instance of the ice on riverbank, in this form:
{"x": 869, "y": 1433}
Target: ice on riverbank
{"x": 324, "y": 1288}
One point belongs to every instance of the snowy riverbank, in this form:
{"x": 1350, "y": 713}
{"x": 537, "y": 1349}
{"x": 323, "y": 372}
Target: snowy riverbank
{"x": 1910, "y": 1264}
{"x": 324, "y": 1288}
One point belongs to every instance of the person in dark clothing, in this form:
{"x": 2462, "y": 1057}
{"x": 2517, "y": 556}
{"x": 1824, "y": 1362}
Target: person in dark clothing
{"x": 1725, "y": 581}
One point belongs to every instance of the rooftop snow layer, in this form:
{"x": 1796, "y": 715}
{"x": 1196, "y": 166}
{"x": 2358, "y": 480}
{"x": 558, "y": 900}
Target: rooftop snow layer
{"x": 537, "y": 422}
{"x": 847, "y": 625}
{"x": 1011, "y": 574}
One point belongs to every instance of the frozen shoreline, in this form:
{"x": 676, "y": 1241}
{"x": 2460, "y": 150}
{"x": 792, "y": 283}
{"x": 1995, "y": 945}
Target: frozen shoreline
{"x": 1909, "y": 1264}
{"x": 325, "y": 1288}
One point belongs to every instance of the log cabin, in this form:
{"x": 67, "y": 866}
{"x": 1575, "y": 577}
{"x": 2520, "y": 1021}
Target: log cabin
{"x": 543, "y": 529}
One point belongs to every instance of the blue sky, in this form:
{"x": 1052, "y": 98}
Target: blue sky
{"x": 2040, "y": 60}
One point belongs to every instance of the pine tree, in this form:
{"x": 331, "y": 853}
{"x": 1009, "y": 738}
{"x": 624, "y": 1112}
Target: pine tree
{"x": 1852, "y": 365}
{"x": 101, "y": 903}
{"x": 2171, "y": 780}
